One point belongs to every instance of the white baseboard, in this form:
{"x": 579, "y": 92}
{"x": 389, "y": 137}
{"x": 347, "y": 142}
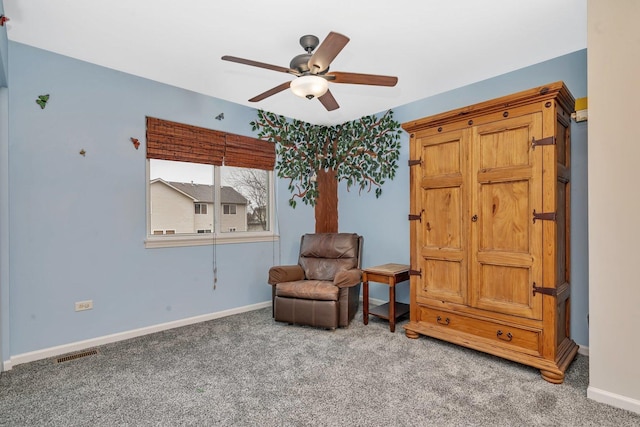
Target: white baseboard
{"x": 583, "y": 350}
{"x": 613, "y": 399}
{"x": 107, "y": 339}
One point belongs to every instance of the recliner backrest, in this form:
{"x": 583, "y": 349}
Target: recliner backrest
{"x": 322, "y": 255}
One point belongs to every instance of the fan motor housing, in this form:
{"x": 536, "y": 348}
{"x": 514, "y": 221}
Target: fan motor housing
{"x": 299, "y": 62}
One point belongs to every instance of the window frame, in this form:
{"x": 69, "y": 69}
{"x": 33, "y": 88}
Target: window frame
{"x": 217, "y": 237}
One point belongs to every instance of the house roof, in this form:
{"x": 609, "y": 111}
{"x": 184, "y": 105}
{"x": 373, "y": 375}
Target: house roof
{"x": 203, "y": 193}
{"x": 431, "y": 46}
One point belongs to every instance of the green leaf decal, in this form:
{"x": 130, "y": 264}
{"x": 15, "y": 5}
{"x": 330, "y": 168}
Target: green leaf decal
{"x": 42, "y": 101}
{"x": 362, "y": 152}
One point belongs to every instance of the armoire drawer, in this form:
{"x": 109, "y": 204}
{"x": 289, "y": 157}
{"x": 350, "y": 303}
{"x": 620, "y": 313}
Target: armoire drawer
{"x": 500, "y": 334}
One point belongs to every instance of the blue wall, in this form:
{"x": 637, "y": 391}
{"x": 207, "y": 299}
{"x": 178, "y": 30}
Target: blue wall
{"x": 78, "y": 223}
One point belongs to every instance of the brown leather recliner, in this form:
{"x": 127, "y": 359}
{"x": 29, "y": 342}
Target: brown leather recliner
{"x": 323, "y": 289}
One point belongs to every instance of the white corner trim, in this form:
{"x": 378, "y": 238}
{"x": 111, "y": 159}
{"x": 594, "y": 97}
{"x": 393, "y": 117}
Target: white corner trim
{"x": 107, "y": 339}
{"x": 613, "y": 399}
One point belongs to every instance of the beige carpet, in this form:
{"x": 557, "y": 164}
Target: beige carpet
{"x": 247, "y": 370}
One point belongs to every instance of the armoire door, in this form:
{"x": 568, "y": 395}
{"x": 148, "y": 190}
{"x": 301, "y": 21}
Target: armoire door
{"x": 442, "y": 201}
{"x": 506, "y": 243}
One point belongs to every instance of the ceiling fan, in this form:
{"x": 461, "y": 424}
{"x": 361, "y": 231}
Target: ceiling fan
{"x": 312, "y": 71}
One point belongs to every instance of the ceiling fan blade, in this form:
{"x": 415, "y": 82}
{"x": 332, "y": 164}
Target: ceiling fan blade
{"x": 361, "y": 79}
{"x": 329, "y": 101}
{"x": 326, "y": 52}
{"x": 270, "y": 92}
{"x": 259, "y": 64}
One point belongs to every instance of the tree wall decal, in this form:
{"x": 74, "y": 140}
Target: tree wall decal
{"x": 363, "y": 152}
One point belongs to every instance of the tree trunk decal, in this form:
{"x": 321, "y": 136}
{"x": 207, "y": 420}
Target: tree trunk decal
{"x": 327, "y": 202}
{"x": 314, "y": 158}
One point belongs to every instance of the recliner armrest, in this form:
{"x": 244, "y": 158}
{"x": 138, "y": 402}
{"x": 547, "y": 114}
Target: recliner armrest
{"x": 347, "y": 278}
{"x": 285, "y": 273}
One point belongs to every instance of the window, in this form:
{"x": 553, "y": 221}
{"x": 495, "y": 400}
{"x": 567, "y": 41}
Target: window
{"x": 201, "y": 208}
{"x": 193, "y": 195}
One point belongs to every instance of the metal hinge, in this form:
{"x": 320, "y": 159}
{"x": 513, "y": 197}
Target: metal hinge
{"x": 544, "y": 216}
{"x": 547, "y": 291}
{"x": 550, "y": 140}
{"x": 413, "y": 217}
{"x": 415, "y": 162}
{"x": 415, "y": 272}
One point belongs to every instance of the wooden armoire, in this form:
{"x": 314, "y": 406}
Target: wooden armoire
{"x": 489, "y": 222}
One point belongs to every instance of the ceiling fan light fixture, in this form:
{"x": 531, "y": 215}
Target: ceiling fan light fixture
{"x": 309, "y": 86}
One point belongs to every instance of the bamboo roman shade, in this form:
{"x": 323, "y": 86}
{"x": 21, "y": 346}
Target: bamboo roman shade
{"x": 179, "y": 142}
{"x": 184, "y": 143}
{"x": 247, "y": 152}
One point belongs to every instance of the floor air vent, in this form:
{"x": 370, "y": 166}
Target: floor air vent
{"x": 76, "y": 356}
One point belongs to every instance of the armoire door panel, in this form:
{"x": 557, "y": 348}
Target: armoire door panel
{"x": 442, "y": 279}
{"x": 562, "y": 244}
{"x": 442, "y": 203}
{"x": 562, "y": 144}
{"x": 504, "y": 215}
{"x": 500, "y": 147}
{"x": 507, "y": 176}
{"x": 442, "y": 218}
{"x": 442, "y": 157}
{"x": 504, "y": 289}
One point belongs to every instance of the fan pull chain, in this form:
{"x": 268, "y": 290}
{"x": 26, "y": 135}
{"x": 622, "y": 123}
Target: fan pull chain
{"x": 214, "y": 232}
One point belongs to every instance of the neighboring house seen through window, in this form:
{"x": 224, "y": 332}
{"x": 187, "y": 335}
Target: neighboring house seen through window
{"x": 182, "y": 199}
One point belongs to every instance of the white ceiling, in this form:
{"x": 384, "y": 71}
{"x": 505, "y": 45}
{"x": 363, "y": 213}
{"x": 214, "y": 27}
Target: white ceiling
{"x": 432, "y": 46}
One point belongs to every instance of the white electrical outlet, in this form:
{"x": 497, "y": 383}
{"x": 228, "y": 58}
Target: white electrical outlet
{"x": 84, "y": 305}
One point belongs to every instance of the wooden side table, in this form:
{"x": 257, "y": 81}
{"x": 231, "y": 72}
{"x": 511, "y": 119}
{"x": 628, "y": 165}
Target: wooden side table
{"x": 389, "y": 274}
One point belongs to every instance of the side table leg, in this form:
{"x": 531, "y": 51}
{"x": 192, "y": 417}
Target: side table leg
{"x": 392, "y": 305}
{"x": 365, "y": 301}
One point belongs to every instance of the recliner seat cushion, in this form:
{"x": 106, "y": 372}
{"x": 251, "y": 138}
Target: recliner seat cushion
{"x": 308, "y": 289}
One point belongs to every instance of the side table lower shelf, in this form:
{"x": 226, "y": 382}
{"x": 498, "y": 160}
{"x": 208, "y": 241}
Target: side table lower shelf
{"x": 382, "y": 311}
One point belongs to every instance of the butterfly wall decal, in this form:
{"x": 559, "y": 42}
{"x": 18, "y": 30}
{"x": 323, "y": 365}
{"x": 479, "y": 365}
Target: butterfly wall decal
{"x": 135, "y": 141}
{"x": 42, "y": 101}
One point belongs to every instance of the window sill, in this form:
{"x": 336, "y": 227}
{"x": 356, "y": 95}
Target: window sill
{"x": 179, "y": 240}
